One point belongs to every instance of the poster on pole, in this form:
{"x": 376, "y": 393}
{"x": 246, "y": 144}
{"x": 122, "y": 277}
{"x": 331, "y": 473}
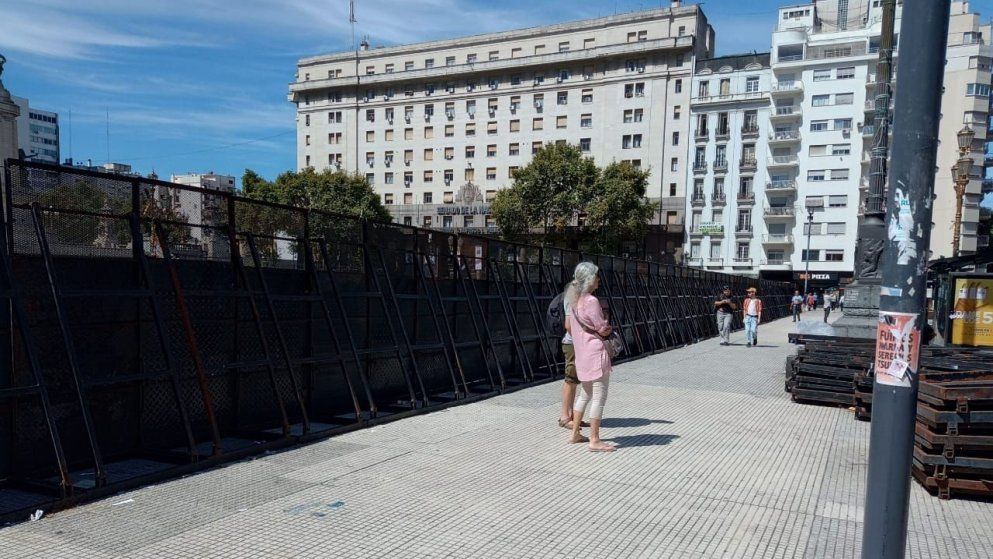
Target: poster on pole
{"x": 972, "y": 312}
{"x": 898, "y": 345}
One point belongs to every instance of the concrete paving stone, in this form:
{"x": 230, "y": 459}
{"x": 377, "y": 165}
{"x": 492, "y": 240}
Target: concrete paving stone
{"x": 714, "y": 461}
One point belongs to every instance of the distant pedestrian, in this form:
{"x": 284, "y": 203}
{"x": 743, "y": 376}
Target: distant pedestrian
{"x": 841, "y": 303}
{"x": 811, "y": 302}
{"x": 827, "y": 311}
{"x": 751, "y": 311}
{"x": 797, "y": 305}
{"x": 724, "y": 308}
{"x": 589, "y": 327}
{"x": 834, "y": 301}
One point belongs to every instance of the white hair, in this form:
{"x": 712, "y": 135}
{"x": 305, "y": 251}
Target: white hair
{"x": 582, "y": 282}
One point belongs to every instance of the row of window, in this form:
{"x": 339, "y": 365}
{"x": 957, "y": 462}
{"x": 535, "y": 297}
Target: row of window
{"x": 722, "y": 123}
{"x": 724, "y": 86}
{"x": 335, "y": 159}
{"x": 451, "y": 221}
{"x": 827, "y": 74}
{"x": 43, "y": 118}
{"x": 720, "y": 155}
{"x": 448, "y": 176}
{"x": 493, "y": 55}
{"x": 832, "y": 99}
{"x": 447, "y": 197}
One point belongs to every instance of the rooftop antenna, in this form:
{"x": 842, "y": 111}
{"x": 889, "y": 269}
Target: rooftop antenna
{"x": 352, "y": 20}
{"x": 70, "y": 133}
{"x": 108, "y": 133}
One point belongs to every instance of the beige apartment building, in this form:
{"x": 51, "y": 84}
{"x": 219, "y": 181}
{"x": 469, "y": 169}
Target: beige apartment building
{"x": 438, "y": 127}
{"x": 965, "y": 102}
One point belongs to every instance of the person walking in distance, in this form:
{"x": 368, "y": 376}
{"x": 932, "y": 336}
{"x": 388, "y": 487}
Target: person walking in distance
{"x": 826, "y": 305}
{"x": 724, "y": 308}
{"x": 589, "y": 327}
{"x": 751, "y": 311}
{"x": 796, "y": 303}
{"x": 811, "y": 302}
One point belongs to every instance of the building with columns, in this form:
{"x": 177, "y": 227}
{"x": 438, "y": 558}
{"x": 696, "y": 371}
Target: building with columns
{"x": 437, "y": 128}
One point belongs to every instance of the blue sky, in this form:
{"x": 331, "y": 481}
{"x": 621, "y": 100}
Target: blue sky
{"x": 197, "y": 85}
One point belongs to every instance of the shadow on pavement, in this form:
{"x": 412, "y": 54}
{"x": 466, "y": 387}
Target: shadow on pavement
{"x": 642, "y": 440}
{"x": 631, "y": 421}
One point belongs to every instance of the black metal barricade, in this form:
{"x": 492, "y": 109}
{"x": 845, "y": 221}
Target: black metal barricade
{"x": 153, "y": 328}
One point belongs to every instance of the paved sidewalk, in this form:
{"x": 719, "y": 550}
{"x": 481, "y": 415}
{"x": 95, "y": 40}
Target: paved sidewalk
{"x": 715, "y": 461}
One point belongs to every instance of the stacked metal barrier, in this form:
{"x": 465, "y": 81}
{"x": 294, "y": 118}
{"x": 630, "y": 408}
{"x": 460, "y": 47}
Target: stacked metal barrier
{"x": 153, "y": 329}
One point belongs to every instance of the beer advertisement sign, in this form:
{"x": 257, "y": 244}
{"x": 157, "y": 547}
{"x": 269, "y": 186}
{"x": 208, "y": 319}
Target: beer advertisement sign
{"x": 972, "y": 311}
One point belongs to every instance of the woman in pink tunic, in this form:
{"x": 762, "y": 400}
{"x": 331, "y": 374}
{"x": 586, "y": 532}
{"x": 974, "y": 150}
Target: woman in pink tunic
{"x": 588, "y": 327}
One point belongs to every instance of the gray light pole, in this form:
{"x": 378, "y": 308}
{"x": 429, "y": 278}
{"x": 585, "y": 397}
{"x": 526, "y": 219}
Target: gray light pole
{"x": 810, "y": 223}
{"x": 902, "y": 312}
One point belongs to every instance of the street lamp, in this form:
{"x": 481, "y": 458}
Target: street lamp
{"x": 961, "y": 172}
{"x": 810, "y": 223}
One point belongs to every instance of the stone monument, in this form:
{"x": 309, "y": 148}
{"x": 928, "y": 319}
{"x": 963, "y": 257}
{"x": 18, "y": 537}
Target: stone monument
{"x": 8, "y": 126}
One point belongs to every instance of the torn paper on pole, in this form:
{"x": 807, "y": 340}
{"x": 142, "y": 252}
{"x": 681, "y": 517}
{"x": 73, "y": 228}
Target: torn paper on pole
{"x": 898, "y": 345}
{"x": 901, "y": 227}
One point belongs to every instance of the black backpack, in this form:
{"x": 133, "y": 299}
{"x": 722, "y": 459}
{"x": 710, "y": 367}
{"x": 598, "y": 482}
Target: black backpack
{"x": 555, "y": 316}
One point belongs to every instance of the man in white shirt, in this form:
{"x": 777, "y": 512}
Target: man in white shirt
{"x": 797, "y": 305}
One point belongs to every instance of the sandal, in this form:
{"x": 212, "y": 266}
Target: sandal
{"x": 565, "y": 424}
{"x": 605, "y": 448}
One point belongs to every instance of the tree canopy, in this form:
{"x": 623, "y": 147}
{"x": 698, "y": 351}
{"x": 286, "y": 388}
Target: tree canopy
{"x": 560, "y": 185}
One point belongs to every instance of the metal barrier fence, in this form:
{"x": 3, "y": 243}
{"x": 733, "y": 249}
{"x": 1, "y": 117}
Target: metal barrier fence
{"x": 152, "y": 329}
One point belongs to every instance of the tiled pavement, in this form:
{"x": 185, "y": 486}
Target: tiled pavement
{"x": 714, "y": 461}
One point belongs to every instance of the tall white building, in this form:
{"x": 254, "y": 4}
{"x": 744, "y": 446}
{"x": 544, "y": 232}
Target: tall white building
{"x": 37, "y": 132}
{"x": 727, "y": 172}
{"x": 438, "y": 127}
{"x": 965, "y": 102}
{"x": 199, "y": 208}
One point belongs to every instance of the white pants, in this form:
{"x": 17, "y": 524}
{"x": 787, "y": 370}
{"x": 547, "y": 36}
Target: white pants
{"x": 724, "y": 325}
{"x": 593, "y": 393}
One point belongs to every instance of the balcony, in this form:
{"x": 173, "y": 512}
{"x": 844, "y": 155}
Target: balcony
{"x": 718, "y": 199}
{"x": 698, "y": 199}
{"x": 783, "y": 161}
{"x": 778, "y": 263}
{"x": 739, "y": 262}
{"x": 722, "y": 134}
{"x": 780, "y": 186}
{"x": 750, "y": 131}
{"x": 702, "y": 135}
{"x": 777, "y": 239}
{"x": 729, "y": 97}
{"x": 721, "y": 166}
{"x": 747, "y": 197}
{"x": 786, "y": 113}
{"x": 699, "y": 167}
{"x": 695, "y": 231}
{"x": 715, "y": 262}
{"x": 786, "y": 87}
{"x": 743, "y": 231}
{"x": 776, "y": 213}
{"x": 869, "y": 130}
{"x": 748, "y": 165}
{"x": 784, "y": 136}
{"x": 694, "y": 262}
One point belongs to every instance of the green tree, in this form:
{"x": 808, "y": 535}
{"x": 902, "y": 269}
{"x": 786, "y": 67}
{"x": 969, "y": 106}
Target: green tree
{"x": 543, "y": 195}
{"x": 615, "y": 205}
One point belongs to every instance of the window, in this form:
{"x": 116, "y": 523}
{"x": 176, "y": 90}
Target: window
{"x": 429, "y": 63}
{"x": 672, "y": 189}
{"x": 811, "y": 255}
{"x": 626, "y": 141}
{"x": 674, "y": 164}
{"x": 470, "y": 58}
{"x": 515, "y": 52}
{"x": 408, "y": 156}
{"x": 539, "y": 102}
{"x": 816, "y": 175}
{"x": 428, "y": 176}
{"x": 449, "y": 61}
{"x": 449, "y": 130}
{"x": 306, "y": 120}
{"x": 491, "y": 150}
{"x": 408, "y": 220}
{"x": 589, "y": 43}
{"x": 468, "y": 220}
{"x": 408, "y": 65}
{"x": 537, "y": 123}
{"x": 307, "y": 139}
{"x": 334, "y": 117}
{"x": 564, "y": 46}
{"x": 491, "y": 127}
{"x": 676, "y": 112}
{"x": 837, "y": 201}
{"x": 538, "y": 49}
{"x": 586, "y": 120}
{"x": 820, "y": 100}
{"x": 725, "y": 86}
{"x": 812, "y": 229}
{"x": 822, "y": 75}
{"x": 428, "y": 154}
{"x": 844, "y": 99}
{"x": 335, "y": 137}
{"x": 388, "y": 198}
{"x": 470, "y": 129}
{"x": 816, "y": 151}
{"x": 846, "y": 73}
{"x": 836, "y": 228}
{"x": 408, "y": 197}
{"x": 675, "y": 138}
{"x": 370, "y": 136}
{"x": 370, "y": 178}
{"x": 752, "y": 84}
{"x": 561, "y": 121}
{"x": 834, "y": 255}
{"x": 678, "y": 86}
{"x": 978, "y": 90}
{"x": 447, "y": 197}
{"x": 584, "y": 144}
{"x": 514, "y": 149}
{"x": 634, "y": 65}
{"x": 470, "y": 152}
{"x": 562, "y": 98}
{"x": 470, "y": 174}
{"x": 639, "y": 89}
{"x": 449, "y": 176}
{"x": 587, "y": 96}
{"x": 841, "y": 149}
{"x": 643, "y": 35}
{"x": 515, "y": 79}
{"x": 703, "y": 89}
{"x": 839, "y": 174}
{"x": 632, "y": 36}
{"x": 491, "y": 173}
{"x": 494, "y": 55}
{"x": 628, "y": 116}
{"x": 408, "y": 133}
{"x": 428, "y": 132}
{"x": 388, "y": 178}
{"x": 842, "y": 124}
{"x": 535, "y": 146}
{"x": 818, "y": 125}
